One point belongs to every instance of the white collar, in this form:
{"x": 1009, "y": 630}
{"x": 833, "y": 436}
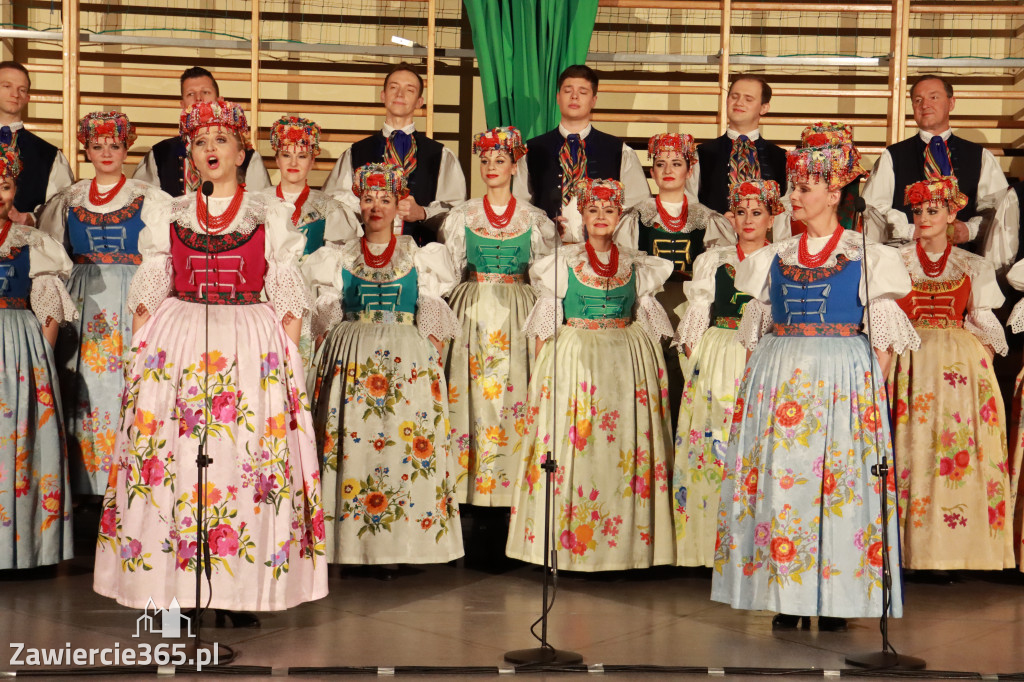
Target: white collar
{"x": 927, "y": 137}
{"x": 753, "y": 135}
{"x": 386, "y": 129}
{"x": 564, "y": 132}
{"x": 17, "y": 125}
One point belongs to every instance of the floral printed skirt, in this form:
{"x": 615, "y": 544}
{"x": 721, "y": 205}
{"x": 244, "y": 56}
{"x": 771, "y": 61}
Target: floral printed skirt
{"x": 956, "y": 499}
{"x": 800, "y": 518}
{"x": 381, "y": 412}
{"x": 263, "y": 513}
{"x": 605, "y": 416}
{"x": 35, "y": 500}
{"x": 1016, "y": 503}
{"x": 712, "y": 377}
{"x": 488, "y": 371}
{"x": 89, "y": 353}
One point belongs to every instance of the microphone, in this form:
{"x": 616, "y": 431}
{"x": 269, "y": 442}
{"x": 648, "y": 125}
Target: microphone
{"x": 859, "y": 205}
{"x": 207, "y": 188}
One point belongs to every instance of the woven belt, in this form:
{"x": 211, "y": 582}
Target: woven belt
{"x": 604, "y": 323}
{"x": 381, "y": 317}
{"x": 107, "y": 258}
{"x": 938, "y": 323}
{"x": 818, "y": 329}
{"x": 727, "y": 322}
{"x": 496, "y": 277}
{"x": 14, "y": 303}
{"x": 221, "y": 297}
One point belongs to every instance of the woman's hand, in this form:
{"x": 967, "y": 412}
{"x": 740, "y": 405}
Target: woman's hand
{"x": 884, "y": 361}
{"x": 439, "y": 345}
{"x": 687, "y": 350}
{"x": 538, "y": 344}
{"x": 50, "y": 330}
{"x": 140, "y": 318}
{"x": 292, "y": 327}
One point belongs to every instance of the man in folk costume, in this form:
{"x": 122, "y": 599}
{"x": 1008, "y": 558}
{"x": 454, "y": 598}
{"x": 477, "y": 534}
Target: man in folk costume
{"x": 435, "y": 178}
{"x": 44, "y": 168}
{"x": 558, "y": 160}
{"x": 167, "y": 164}
{"x": 987, "y": 225}
{"x": 741, "y": 153}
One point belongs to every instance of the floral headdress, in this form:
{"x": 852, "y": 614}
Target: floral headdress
{"x": 765, "y": 191}
{"x": 503, "y": 138}
{"x": 941, "y": 190}
{"x": 590, "y": 190}
{"x": 379, "y": 176}
{"x": 10, "y": 162}
{"x": 295, "y": 130}
{"x": 680, "y": 143}
{"x": 111, "y": 124}
{"x": 826, "y": 153}
{"x": 218, "y": 113}
{"x": 827, "y": 134}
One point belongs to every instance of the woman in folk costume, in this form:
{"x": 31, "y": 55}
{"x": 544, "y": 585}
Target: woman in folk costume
{"x": 1014, "y": 507}
{"x": 824, "y": 134}
{"x": 713, "y": 367}
{"x": 604, "y": 416}
{"x": 381, "y": 401}
{"x": 211, "y": 262}
{"x": 320, "y": 217}
{"x": 98, "y": 221}
{"x": 493, "y": 241}
{"x": 673, "y": 225}
{"x": 951, "y": 467}
{"x": 800, "y": 524}
{"x": 35, "y": 499}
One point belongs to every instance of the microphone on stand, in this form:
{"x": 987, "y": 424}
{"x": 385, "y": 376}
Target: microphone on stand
{"x": 207, "y": 190}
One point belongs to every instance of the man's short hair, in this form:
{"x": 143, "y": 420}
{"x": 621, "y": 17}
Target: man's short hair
{"x": 932, "y": 77}
{"x": 198, "y": 72}
{"x": 766, "y": 90}
{"x": 17, "y": 66}
{"x": 579, "y": 71}
{"x": 404, "y": 67}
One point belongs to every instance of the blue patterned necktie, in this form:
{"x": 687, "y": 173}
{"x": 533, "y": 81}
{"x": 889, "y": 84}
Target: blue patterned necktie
{"x": 936, "y": 159}
{"x": 6, "y": 136}
{"x": 574, "y": 146}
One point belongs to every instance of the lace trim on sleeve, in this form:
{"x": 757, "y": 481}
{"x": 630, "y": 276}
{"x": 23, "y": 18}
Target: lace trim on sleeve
{"x": 651, "y": 316}
{"x": 150, "y": 285}
{"x": 985, "y": 325}
{"x": 542, "y": 320}
{"x": 286, "y": 290}
{"x": 756, "y": 321}
{"x": 435, "y": 318}
{"x": 326, "y": 313}
{"x": 1016, "y": 321}
{"x": 890, "y": 328}
{"x": 694, "y": 323}
{"x": 49, "y": 298}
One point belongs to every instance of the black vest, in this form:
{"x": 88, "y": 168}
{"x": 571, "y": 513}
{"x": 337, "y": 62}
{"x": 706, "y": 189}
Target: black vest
{"x": 422, "y": 182}
{"x": 679, "y": 247}
{"x": 714, "y": 157}
{"x": 169, "y": 155}
{"x": 1019, "y": 189}
{"x": 908, "y": 168}
{"x": 37, "y": 157}
{"x": 727, "y": 308}
{"x": 604, "y": 161}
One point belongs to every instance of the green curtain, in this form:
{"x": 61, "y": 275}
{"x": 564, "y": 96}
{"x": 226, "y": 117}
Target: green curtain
{"x": 521, "y": 47}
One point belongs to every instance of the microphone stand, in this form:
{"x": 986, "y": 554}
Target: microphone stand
{"x": 545, "y": 654}
{"x": 203, "y": 461}
{"x": 887, "y": 658}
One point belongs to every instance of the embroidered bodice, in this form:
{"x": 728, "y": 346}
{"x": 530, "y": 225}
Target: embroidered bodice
{"x": 234, "y": 270}
{"x": 818, "y": 296}
{"x": 106, "y": 237}
{"x": 15, "y": 283}
{"x": 362, "y": 295}
{"x": 588, "y": 302}
{"x": 727, "y": 307}
{"x": 493, "y": 255}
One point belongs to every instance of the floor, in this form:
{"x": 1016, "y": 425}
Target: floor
{"x": 454, "y": 615}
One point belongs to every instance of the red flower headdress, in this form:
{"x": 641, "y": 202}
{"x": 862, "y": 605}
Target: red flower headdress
{"x": 10, "y": 162}
{"x": 379, "y": 176}
{"x": 681, "y": 143}
{"x": 589, "y": 191}
{"x": 112, "y": 124}
{"x": 942, "y": 190}
{"x": 827, "y": 153}
{"x": 218, "y": 113}
{"x": 764, "y": 191}
{"x": 295, "y": 130}
{"x": 504, "y": 138}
